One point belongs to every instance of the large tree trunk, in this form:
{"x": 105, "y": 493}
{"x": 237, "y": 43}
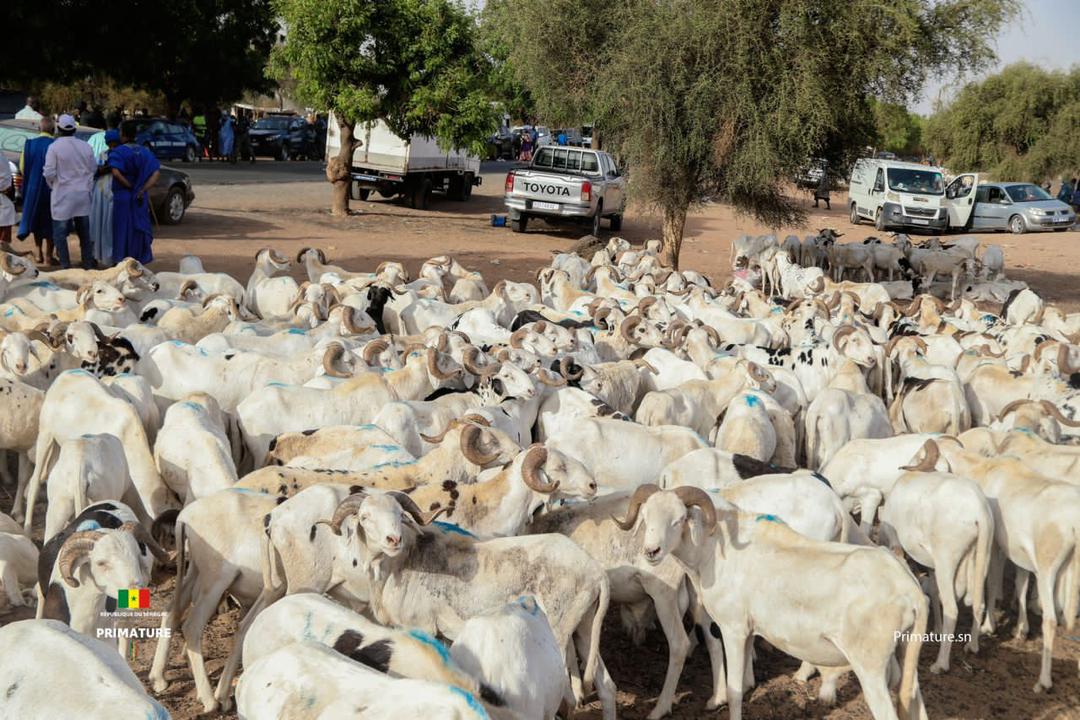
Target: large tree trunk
{"x": 337, "y": 170}
{"x": 672, "y": 234}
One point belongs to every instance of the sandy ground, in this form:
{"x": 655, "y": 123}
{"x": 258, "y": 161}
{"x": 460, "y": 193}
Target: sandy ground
{"x": 229, "y": 223}
{"x": 240, "y": 210}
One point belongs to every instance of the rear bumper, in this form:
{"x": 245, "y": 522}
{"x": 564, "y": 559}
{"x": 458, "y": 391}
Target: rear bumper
{"x": 523, "y": 206}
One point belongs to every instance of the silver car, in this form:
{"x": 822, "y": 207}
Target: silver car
{"x": 1019, "y": 208}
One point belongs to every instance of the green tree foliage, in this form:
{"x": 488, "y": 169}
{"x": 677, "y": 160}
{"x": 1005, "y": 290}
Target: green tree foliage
{"x": 897, "y": 130}
{"x": 725, "y": 99}
{"x": 197, "y": 50}
{"x": 414, "y": 64}
{"x": 1022, "y": 123}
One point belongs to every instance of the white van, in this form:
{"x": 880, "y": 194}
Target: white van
{"x": 909, "y": 196}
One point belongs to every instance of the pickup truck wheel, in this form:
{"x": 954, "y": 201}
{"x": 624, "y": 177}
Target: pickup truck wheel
{"x": 596, "y": 219}
{"x": 364, "y": 194}
{"x": 520, "y": 224}
{"x": 854, "y": 214}
{"x": 421, "y": 195}
{"x": 466, "y": 192}
{"x": 616, "y": 223}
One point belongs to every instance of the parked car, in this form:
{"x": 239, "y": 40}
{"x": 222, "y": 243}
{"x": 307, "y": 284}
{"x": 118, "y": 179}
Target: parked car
{"x": 1019, "y": 208}
{"x": 284, "y": 137}
{"x": 501, "y": 145}
{"x": 168, "y": 140}
{"x": 564, "y": 184}
{"x": 810, "y": 174}
{"x": 170, "y": 197}
{"x": 586, "y": 136}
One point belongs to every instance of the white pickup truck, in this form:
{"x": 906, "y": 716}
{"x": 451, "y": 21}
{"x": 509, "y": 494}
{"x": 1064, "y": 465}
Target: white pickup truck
{"x": 566, "y": 184}
{"x": 414, "y": 168}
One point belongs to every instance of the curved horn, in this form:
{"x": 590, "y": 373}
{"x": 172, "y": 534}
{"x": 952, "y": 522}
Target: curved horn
{"x": 643, "y": 493}
{"x": 518, "y": 336}
{"x": 334, "y": 353}
{"x": 985, "y": 350}
{"x": 470, "y": 359}
{"x": 566, "y": 372}
{"x": 408, "y": 506}
{"x": 841, "y": 333}
{"x": 348, "y": 319}
{"x": 758, "y": 373}
{"x": 626, "y": 328}
{"x": 134, "y": 268}
{"x": 646, "y": 302}
{"x": 374, "y": 348}
{"x": 643, "y": 364}
{"x": 550, "y": 379}
{"x": 5, "y": 263}
{"x": 914, "y": 306}
{"x": 278, "y": 258}
{"x": 101, "y": 337}
{"x": 531, "y": 467}
{"x": 72, "y": 552}
{"x": 1040, "y": 348}
{"x": 141, "y": 535}
{"x": 832, "y": 301}
{"x": 435, "y": 370}
{"x": 696, "y": 497}
{"x": 930, "y": 453}
{"x": 1055, "y": 412}
{"x": 186, "y": 287}
{"x": 713, "y": 334}
{"x": 1012, "y": 407}
{"x": 436, "y": 439}
{"x": 345, "y": 508}
{"x": 471, "y": 437}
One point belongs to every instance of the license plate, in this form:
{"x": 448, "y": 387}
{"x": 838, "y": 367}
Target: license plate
{"x": 545, "y": 205}
{"x": 918, "y": 221}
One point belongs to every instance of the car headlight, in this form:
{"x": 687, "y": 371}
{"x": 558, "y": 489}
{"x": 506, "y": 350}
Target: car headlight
{"x": 1037, "y": 211}
{"x": 893, "y": 197}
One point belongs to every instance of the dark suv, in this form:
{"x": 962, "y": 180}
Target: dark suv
{"x": 284, "y": 137}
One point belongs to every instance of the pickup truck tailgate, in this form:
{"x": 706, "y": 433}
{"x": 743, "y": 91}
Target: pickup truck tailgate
{"x": 546, "y": 187}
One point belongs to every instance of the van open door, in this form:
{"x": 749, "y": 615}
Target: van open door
{"x": 960, "y": 199}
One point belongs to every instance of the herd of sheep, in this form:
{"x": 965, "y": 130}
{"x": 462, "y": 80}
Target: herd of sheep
{"x": 427, "y": 494}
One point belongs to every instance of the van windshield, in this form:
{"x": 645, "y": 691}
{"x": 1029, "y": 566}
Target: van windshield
{"x": 919, "y": 182}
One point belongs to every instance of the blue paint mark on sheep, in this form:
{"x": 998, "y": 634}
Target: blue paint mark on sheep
{"x": 472, "y": 702}
{"x": 307, "y": 632}
{"x": 45, "y": 284}
{"x": 752, "y": 400}
{"x": 528, "y": 604}
{"x": 393, "y": 464}
{"x": 77, "y": 371}
{"x": 191, "y": 406}
{"x": 385, "y": 448}
{"x": 452, "y": 528}
{"x": 88, "y": 525}
{"x": 769, "y": 518}
{"x": 276, "y": 384}
{"x": 438, "y": 647}
{"x": 367, "y": 426}
{"x": 297, "y": 331}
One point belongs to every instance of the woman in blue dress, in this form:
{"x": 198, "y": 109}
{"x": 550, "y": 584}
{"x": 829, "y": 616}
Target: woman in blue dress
{"x": 134, "y": 172}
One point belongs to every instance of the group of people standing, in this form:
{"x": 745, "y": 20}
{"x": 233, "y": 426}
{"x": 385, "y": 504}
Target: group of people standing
{"x": 96, "y": 189}
{"x": 1069, "y": 193}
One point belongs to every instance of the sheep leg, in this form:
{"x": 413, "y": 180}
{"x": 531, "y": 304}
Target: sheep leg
{"x": 737, "y": 645}
{"x": 1023, "y": 578}
{"x": 710, "y": 633}
{"x": 993, "y": 587}
{"x": 945, "y": 577}
{"x": 224, "y": 687}
{"x": 171, "y": 621}
{"x": 576, "y": 686}
{"x": 1044, "y": 582}
{"x": 667, "y": 612}
{"x": 9, "y": 582}
{"x": 605, "y": 687}
{"x": 875, "y": 689}
{"x": 207, "y": 593}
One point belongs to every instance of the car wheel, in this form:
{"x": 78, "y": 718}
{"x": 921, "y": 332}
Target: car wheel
{"x": 189, "y": 154}
{"x": 855, "y": 219}
{"x": 456, "y": 188}
{"x": 466, "y": 192}
{"x": 421, "y": 195}
{"x": 879, "y": 221}
{"x": 1017, "y": 226}
{"x": 519, "y": 225}
{"x": 173, "y": 207}
{"x": 616, "y": 223}
{"x": 364, "y": 194}
{"x": 596, "y": 219}
{"x": 283, "y": 154}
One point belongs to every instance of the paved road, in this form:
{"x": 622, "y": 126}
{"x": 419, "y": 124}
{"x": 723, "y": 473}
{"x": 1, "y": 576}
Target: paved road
{"x": 264, "y": 171}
